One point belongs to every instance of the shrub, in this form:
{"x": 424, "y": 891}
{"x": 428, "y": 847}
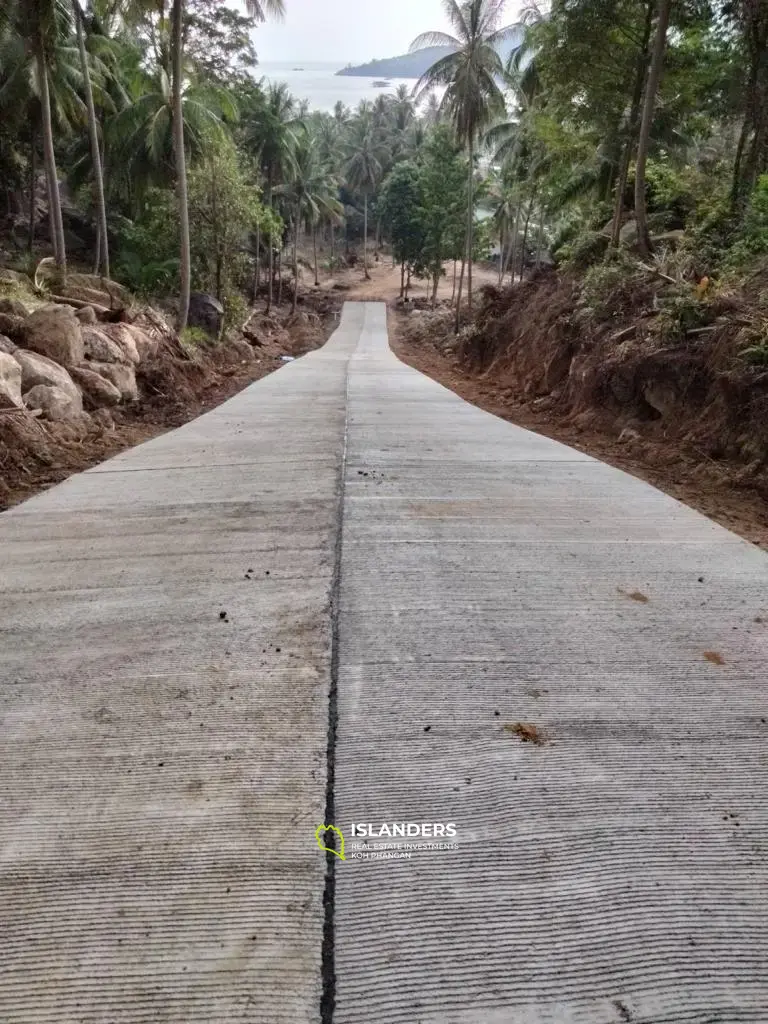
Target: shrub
{"x": 609, "y": 288}
{"x": 584, "y": 251}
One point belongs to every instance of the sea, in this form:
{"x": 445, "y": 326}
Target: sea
{"x": 318, "y": 82}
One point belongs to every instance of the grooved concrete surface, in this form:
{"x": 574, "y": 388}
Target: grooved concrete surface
{"x": 163, "y": 769}
{"x": 617, "y": 873}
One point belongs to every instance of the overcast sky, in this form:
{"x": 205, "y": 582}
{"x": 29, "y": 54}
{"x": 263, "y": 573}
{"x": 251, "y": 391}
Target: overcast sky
{"x": 350, "y": 30}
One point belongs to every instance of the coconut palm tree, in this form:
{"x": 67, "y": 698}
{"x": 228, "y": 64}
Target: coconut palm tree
{"x": 93, "y": 135}
{"x": 38, "y": 30}
{"x": 363, "y": 168}
{"x": 470, "y": 75}
{"x": 258, "y": 9}
{"x": 270, "y": 135}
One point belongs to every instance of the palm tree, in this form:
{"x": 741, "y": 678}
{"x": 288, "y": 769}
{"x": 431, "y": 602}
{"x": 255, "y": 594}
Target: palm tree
{"x": 93, "y": 134}
{"x": 649, "y": 106}
{"x": 311, "y": 193}
{"x": 363, "y": 169}
{"x": 257, "y": 9}
{"x": 39, "y": 27}
{"x": 271, "y": 136}
{"x": 470, "y": 73}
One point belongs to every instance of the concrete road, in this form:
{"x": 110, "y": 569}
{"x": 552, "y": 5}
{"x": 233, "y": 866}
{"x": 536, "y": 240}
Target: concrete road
{"x": 346, "y": 575}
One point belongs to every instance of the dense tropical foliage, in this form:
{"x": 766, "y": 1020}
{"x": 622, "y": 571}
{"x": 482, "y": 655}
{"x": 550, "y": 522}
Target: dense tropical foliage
{"x": 143, "y": 132}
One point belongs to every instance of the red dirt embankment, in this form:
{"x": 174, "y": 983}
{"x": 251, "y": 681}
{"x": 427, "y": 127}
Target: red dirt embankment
{"x": 689, "y": 416}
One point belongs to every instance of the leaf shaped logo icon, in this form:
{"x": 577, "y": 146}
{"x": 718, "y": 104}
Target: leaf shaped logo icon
{"x": 319, "y": 836}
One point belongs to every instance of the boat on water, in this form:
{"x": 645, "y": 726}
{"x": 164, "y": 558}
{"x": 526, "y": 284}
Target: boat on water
{"x": 381, "y": 84}
{"x": 298, "y": 69}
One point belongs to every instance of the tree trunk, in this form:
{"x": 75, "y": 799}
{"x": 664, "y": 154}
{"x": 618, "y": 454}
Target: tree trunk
{"x": 314, "y": 246}
{"x": 257, "y": 265}
{"x": 93, "y": 134}
{"x": 280, "y": 274}
{"x": 458, "y": 297}
{"x": 407, "y": 283}
{"x": 435, "y": 283}
{"x": 365, "y": 239}
{"x": 453, "y": 293}
{"x": 185, "y": 264}
{"x": 402, "y": 279}
{"x": 32, "y": 192}
{"x": 470, "y": 226}
{"x": 333, "y": 249}
{"x": 97, "y": 254}
{"x": 296, "y": 259}
{"x": 271, "y": 282}
{"x": 540, "y": 236}
{"x": 649, "y": 106}
{"x": 57, "y": 225}
{"x": 634, "y": 117}
{"x": 513, "y": 253}
{"x": 525, "y": 237}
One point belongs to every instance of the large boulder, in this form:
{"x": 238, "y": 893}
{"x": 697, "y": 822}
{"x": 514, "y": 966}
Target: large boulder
{"x": 10, "y": 382}
{"x": 7, "y": 346}
{"x": 54, "y": 331}
{"x": 123, "y": 337}
{"x": 56, "y": 404}
{"x": 11, "y": 326}
{"x": 13, "y": 307}
{"x": 96, "y": 389}
{"x": 86, "y": 315}
{"x": 146, "y": 344}
{"x": 37, "y": 369}
{"x": 16, "y": 278}
{"x": 100, "y": 348}
{"x": 206, "y": 312}
{"x": 122, "y": 376}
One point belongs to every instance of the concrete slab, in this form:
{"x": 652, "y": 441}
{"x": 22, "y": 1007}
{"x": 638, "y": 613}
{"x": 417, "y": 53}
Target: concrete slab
{"x": 492, "y": 578}
{"x": 164, "y": 767}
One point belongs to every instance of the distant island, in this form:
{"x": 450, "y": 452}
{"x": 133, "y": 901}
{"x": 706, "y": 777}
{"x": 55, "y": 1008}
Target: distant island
{"x": 413, "y": 65}
{"x": 409, "y": 65}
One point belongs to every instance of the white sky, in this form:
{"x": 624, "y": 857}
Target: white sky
{"x": 351, "y": 31}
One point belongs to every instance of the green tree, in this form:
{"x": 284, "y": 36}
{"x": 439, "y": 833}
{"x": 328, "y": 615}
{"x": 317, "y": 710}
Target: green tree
{"x": 470, "y": 75}
{"x": 401, "y": 209}
{"x": 363, "y": 168}
{"x": 443, "y": 186}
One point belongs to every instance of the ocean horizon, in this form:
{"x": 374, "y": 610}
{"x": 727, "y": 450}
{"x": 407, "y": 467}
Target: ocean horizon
{"x": 317, "y": 82}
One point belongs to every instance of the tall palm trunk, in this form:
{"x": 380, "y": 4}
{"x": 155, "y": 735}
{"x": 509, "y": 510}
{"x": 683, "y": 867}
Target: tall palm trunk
{"x": 57, "y": 224}
{"x": 280, "y": 274}
{"x": 457, "y": 321}
{"x": 32, "y": 191}
{"x": 181, "y": 162}
{"x": 333, "y": 249}
{"x": 257, "y": 265}
{"x": 470, "y": 224}
{"x": 453, "y": 293}
{"x": 634, "y": 118}
{"x": 513, "y": 254}
{"x": 365, "y": 238}
{"x": 271, "y": 282}
{"x": 314, "y": 248}
{"x": 649, "y": 106}
{"x": 93, "y": 134}
{"x": 296, "y": 258}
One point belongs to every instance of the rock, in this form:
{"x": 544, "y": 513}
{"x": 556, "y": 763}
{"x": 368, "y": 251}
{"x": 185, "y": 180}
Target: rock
{"x": 7, "y": 346}
{"x": 56, "y": 404}
{"x": 661, "y": 397}
{"x": 100, "y": 348}
{"x": 54, "y": 331}
{"x": 86, "y": 315}
{"x": 16, "y": 278}
{"x": 629, "y": 434}
{"x": 628, "y": 235}
{"x": 122, "y": 336}
{"x": 12, "y": 326}
{"x": 103, "y": 418}
{"x": 146, "y": 345}
{"x": 37, "y": 369}
{"x": 122, "y": 376}
{"x": 13, "y": 307}
{"x": 206, "y": 312}
{"x": 10, "y": 382}
{"x": 236, "y": 351}
{"x": 557, "y": 369}
{"x": 96, "y": 389}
